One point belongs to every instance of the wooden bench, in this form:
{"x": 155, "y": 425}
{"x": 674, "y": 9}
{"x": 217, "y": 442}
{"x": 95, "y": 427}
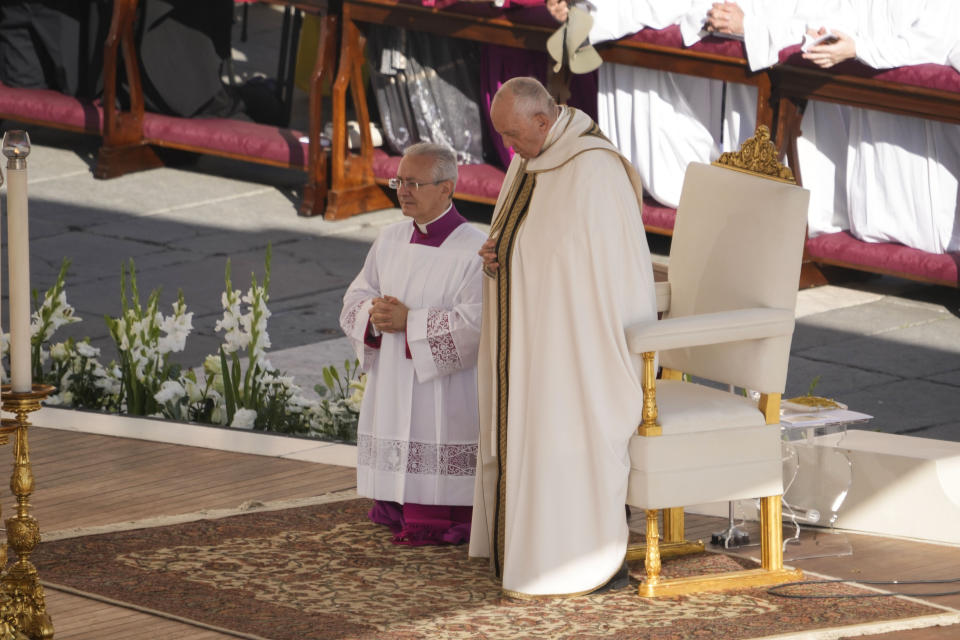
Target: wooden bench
{"x": 356, "y": 179}
{"x": 130, "y": 136}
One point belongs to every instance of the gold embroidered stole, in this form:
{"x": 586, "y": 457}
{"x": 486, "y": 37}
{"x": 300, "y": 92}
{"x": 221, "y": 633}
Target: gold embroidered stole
{"x": 506, "y": 226}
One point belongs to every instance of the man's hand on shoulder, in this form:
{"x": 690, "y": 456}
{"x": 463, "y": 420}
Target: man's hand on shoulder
{"x": 388, "y": 315}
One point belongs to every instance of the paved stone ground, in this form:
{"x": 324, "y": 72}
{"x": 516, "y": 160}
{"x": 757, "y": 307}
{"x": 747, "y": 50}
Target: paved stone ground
{"x": 884, "y": 346}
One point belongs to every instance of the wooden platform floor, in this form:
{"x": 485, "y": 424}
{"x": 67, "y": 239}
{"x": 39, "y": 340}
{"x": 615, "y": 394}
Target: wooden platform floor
{"x": 90, "y": 480}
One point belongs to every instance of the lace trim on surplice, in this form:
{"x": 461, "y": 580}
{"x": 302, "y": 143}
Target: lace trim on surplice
{"x": 442, "y": 347}
{"x": 422, "y": 458}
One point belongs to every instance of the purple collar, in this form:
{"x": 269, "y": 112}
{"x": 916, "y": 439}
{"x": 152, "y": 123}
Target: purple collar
{"x": 439, "y": 229}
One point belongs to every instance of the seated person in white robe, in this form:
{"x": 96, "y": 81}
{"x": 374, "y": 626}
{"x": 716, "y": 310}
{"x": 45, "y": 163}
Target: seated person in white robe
{"x": 560, "y": 395}
{"x": 662, "y": 121}
{"x": 885, "y": 177}
{"x": 413, "y": 315}
{"x": 767, "y": 26}
{"x": 902, "y": 173}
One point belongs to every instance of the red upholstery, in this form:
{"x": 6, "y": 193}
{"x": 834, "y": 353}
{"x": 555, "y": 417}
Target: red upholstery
{"x": 930, "y": 76}
{"x": 885, "y": 257}
{"x": 45, "y": 105}
{"x": 657, "y": 216}
{"x": 671, "y": 37}
{"x": 229, "y": 137}
{"x": 527, "y": 12}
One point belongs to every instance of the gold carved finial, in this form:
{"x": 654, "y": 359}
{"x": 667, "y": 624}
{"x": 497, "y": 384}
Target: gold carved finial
{"x": 759, "y": 156}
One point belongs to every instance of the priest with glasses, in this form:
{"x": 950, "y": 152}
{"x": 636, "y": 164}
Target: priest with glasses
{"x": 413, "y": 316}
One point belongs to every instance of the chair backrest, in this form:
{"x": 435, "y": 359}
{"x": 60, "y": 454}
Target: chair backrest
{"x": 737, "y": 243}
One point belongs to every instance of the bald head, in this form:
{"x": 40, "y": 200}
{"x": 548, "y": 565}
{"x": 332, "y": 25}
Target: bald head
{"x": 522, "y": 112}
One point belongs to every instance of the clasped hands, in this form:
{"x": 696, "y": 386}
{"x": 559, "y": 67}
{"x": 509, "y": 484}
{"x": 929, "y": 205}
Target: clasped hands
{"x": 725, "y": 17}
{"x": 388, "y": 315}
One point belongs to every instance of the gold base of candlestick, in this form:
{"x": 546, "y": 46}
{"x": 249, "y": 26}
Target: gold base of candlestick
{"x": 22, "y": 603}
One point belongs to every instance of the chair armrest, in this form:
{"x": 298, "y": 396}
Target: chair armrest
{"x": 710, "y": 328}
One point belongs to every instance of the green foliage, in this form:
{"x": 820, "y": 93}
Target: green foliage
{"x": 144, "y": 366}
{"x": 341, "y": 395}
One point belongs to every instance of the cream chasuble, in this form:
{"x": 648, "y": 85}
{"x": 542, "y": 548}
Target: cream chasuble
{"x": 560, "y": 393}
{"x": 417, "y": 437}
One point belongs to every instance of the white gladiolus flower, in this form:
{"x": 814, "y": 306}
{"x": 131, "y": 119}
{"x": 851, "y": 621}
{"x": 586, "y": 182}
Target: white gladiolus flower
{"x": 194, "y": 390}
{"x": 110, "y": 386}
{"x": 235, "y": 341}
{"x": 211, "y": 365}
{"x": 228, "y": 322}
{"x": 176, "y": 327}
{"x": 244, "y": 419}
{"x": 355, "y": 400}
{"x": 53, "y": 400}
{"x": 87, "y": 351}
{"x": 59, "y": 352}
{"x": 170, "y": 391}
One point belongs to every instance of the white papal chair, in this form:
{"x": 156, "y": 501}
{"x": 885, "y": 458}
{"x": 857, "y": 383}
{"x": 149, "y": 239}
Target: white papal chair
{"x": 728, "y": 317}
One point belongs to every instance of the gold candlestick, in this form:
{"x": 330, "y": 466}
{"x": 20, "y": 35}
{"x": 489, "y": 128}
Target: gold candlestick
{"x": 20, "y": 581}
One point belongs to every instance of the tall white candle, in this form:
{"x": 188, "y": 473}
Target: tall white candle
{"x": 16, "y": 149}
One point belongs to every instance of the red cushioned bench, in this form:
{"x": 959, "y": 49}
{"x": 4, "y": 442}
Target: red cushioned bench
{"x": 929, "y": 91}
{"x": 45, "y": 107}
{"x": 131, "y": 136}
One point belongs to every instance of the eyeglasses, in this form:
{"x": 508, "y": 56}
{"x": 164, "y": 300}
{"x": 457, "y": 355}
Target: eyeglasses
{"x": 396, "y": 183}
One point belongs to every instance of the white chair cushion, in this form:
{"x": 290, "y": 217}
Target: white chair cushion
{"x": 715, "y": 446}
{"x": 686, "y": 407}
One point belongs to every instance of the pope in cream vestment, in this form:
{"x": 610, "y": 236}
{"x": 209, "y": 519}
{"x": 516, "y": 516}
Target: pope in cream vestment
{"x": 559, "y": 391}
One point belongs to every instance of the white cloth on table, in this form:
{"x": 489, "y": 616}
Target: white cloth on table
{"x": 417, "y": 436}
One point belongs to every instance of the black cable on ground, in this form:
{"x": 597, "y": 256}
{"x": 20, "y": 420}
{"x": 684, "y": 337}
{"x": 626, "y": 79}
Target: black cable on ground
{"x": 775, "y": 590}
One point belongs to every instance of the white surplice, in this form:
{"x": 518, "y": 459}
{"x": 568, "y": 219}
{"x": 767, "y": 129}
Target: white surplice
{"x": 417, "y": 437}
{"x": 560, "y": 392}
{"x": 902, "y": 173}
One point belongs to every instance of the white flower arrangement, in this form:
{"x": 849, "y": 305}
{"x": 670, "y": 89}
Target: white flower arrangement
{"x": 237, "y": 387}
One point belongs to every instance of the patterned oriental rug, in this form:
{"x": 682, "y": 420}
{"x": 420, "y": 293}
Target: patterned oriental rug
{"x": 325, "y": 571}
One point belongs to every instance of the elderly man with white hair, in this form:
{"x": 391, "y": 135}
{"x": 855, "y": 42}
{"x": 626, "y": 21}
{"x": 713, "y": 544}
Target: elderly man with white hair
{"x": 413, "y": 315}
{"x": 568, "y": 269}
